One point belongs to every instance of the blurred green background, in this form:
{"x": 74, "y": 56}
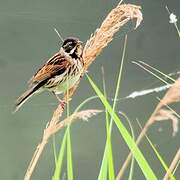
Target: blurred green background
{"x": 27, "y": 39}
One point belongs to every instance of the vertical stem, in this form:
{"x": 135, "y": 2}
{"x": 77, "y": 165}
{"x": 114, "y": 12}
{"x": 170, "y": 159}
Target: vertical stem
{"x": 140, "y": 137}
{"x": 34, "y": 160}
{"x": 69, "y": 147}
{"x": 173, "y": 165}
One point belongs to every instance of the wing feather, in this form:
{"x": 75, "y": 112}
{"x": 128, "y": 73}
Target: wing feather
{"x": 56, "y": 65}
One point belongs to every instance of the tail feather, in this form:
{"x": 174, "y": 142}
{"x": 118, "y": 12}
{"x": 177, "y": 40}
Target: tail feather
{"x": 25, "y": 96}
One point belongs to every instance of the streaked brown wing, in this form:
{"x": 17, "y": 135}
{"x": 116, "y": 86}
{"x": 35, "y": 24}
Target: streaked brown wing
{"x": 56, "y": 65}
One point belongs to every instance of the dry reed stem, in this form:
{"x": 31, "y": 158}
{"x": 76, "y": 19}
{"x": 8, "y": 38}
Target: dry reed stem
{"x": 55, "y": 118}
{"x": 171, "y": 96}
{"x": 165, "y": 114}
{"x": 54, "y": 126}
{"x": 173, "y": 165}
{"x": 119, "y": 16}
{"x": 140, "y": 137}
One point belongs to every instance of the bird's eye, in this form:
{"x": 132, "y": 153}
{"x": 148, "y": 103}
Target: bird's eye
{"x": 69, "y": 44}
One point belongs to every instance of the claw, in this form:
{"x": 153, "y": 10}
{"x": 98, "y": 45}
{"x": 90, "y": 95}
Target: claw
{"x": 62, "y": 103}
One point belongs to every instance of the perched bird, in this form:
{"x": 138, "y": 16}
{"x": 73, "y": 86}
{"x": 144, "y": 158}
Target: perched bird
{"x": 59, "y": 73}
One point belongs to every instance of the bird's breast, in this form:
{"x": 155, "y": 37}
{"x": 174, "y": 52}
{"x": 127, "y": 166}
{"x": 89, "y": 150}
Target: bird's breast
{"x": 64, "y": 86}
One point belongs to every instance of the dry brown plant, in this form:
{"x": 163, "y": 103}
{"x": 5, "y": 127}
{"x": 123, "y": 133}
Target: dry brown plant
{"x": 54, "y": 126}
{"x": 165, "y": 114}
{"x": 173, "y": 165}
{"x": 171, "y": 96}
{"x": 118, "y": 17}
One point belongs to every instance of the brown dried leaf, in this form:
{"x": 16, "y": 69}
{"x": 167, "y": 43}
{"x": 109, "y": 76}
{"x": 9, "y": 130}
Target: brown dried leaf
{"x": 84, "y": 115}
{"x": 172, "y": 95}
{"x": 164, "y": 114}
{"x": 119, "y": 16}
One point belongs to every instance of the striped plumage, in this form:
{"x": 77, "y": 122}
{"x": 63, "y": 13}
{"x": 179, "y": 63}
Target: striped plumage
{"x": 60, "y": 72}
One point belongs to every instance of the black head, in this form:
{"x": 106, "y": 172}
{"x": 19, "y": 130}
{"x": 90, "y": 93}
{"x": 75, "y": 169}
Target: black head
{"x": 73, "y": 47}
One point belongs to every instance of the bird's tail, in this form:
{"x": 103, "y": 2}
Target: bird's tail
{"x": 25, "y": 96}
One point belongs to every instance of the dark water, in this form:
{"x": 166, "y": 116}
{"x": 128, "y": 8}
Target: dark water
{"x": 27, "y": 39}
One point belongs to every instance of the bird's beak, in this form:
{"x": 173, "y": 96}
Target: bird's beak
{"x": 80, "y": 42}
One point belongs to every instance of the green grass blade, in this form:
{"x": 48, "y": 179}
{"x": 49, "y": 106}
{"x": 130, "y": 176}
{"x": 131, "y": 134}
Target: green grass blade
{"x": 160, "y": 159}
{"x": 107, "y": 162}
{"x": 150, "y": 72}
{"x": 69, "y": 155}
{"x": 111, "y": 163}
{"x": 110, "y": 160}
{"x": 105, "y": 94}
{"x": 58, "y": 167}
{"x": 84, "y": 102}
{"x": 104, "y": 164}
{"x": 108, "y": 150}
{"x": 146, "y": 169}
{"x": 69, "y": 147}
{"x": 158, "y": 71}
{"x": 133, "y": 136}
{"x": 59, "y": 160}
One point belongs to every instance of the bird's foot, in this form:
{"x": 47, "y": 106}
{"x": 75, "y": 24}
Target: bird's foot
{"x": 62, "y": 103}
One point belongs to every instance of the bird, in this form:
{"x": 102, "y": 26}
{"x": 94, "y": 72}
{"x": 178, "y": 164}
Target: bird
{"x": 58, "y": 74}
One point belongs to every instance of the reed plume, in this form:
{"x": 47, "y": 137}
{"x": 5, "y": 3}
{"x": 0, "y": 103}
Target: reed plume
{"x": 118, "y": 17}
{"x": 103, "y": 35}
{"x": 54, "y": 126}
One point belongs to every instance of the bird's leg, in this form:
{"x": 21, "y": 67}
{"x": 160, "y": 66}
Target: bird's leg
{"x": 63, "y": 103}
{"x": 58, "y": 98}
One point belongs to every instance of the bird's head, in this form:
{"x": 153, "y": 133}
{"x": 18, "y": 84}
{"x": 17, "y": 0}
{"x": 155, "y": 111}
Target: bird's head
{"x": 73, "y": 47}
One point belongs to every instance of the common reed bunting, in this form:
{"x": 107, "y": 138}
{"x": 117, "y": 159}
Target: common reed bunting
{"x": 58, "y": 74}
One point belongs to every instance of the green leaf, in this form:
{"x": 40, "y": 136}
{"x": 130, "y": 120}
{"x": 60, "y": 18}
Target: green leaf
{"x": 160, "y": 159}
{"x": 108, "y": 147}
{"x": 110, "y": 160}
{"x": 133, "y": 135}
{"x": 58, "y": 167}
{"x": 69, "y": 156}
{"x": 69, "y": 147}
{"x": 146, "y": 169}
{"x": 66, "y": 139}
